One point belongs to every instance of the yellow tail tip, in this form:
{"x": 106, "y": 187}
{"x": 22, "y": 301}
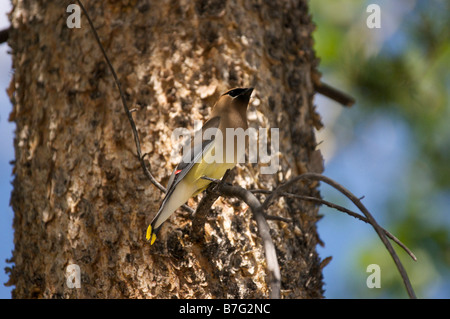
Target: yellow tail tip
{"x": 150, "y": 235}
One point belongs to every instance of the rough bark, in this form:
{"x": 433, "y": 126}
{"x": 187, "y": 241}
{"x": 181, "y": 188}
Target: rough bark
{"x": 80, "y": 196}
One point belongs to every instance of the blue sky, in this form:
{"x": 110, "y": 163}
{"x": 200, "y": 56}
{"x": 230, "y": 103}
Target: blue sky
{"x": 6, "y": 155}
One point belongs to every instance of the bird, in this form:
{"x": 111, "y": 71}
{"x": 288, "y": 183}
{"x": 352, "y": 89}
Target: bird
{"x": 186, "y": 181}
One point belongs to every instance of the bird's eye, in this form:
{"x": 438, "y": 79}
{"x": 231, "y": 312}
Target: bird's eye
{"x": 235, "y": 92}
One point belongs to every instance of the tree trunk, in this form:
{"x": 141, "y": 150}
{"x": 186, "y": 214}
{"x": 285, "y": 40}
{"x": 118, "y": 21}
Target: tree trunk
{"x": 80, "y": 196}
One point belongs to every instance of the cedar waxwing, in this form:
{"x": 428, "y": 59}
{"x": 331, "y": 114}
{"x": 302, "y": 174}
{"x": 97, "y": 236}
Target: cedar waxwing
{"x": 186, "y": 181}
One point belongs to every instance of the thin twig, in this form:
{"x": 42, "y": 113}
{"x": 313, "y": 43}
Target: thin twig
{"x": 331, "y": 92}
{"x": 127, "y": 111}
{"x": 245, "y": 195}
{"x": 4, "y": 35}
{"x": 334, "y": 94}
{"x": 357, "y": 202}
{"x": 278, "y": 218}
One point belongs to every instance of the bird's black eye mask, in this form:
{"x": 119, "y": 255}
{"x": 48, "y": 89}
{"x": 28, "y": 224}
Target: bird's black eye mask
{"x": 235, "y": 92}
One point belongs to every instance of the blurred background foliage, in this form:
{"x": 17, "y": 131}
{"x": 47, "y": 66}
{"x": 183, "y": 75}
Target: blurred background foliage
{"x": 393, "y": 145}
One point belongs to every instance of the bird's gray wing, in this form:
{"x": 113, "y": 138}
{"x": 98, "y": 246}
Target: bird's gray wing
{"x": 194, "y": 155}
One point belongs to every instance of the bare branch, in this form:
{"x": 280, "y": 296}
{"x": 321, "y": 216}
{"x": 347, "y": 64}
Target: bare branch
{"x": 334, "y": 94}
{"x": 342, "y": 209}
{"x": 357, "y": 202}
{"x": 330, "y": 92}
{"x": 278, "y": 218}
{"x": 264, "y": 231}
{"x": 4, "y": 35}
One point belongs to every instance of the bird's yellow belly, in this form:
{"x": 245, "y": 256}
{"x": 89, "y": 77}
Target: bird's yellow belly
{"x": 211, "y": 166}
{"x": 213, "y": 170}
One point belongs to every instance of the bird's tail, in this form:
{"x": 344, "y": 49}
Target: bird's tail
{"x": 174, "y": 199}
{"x": 152, "y": 231}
